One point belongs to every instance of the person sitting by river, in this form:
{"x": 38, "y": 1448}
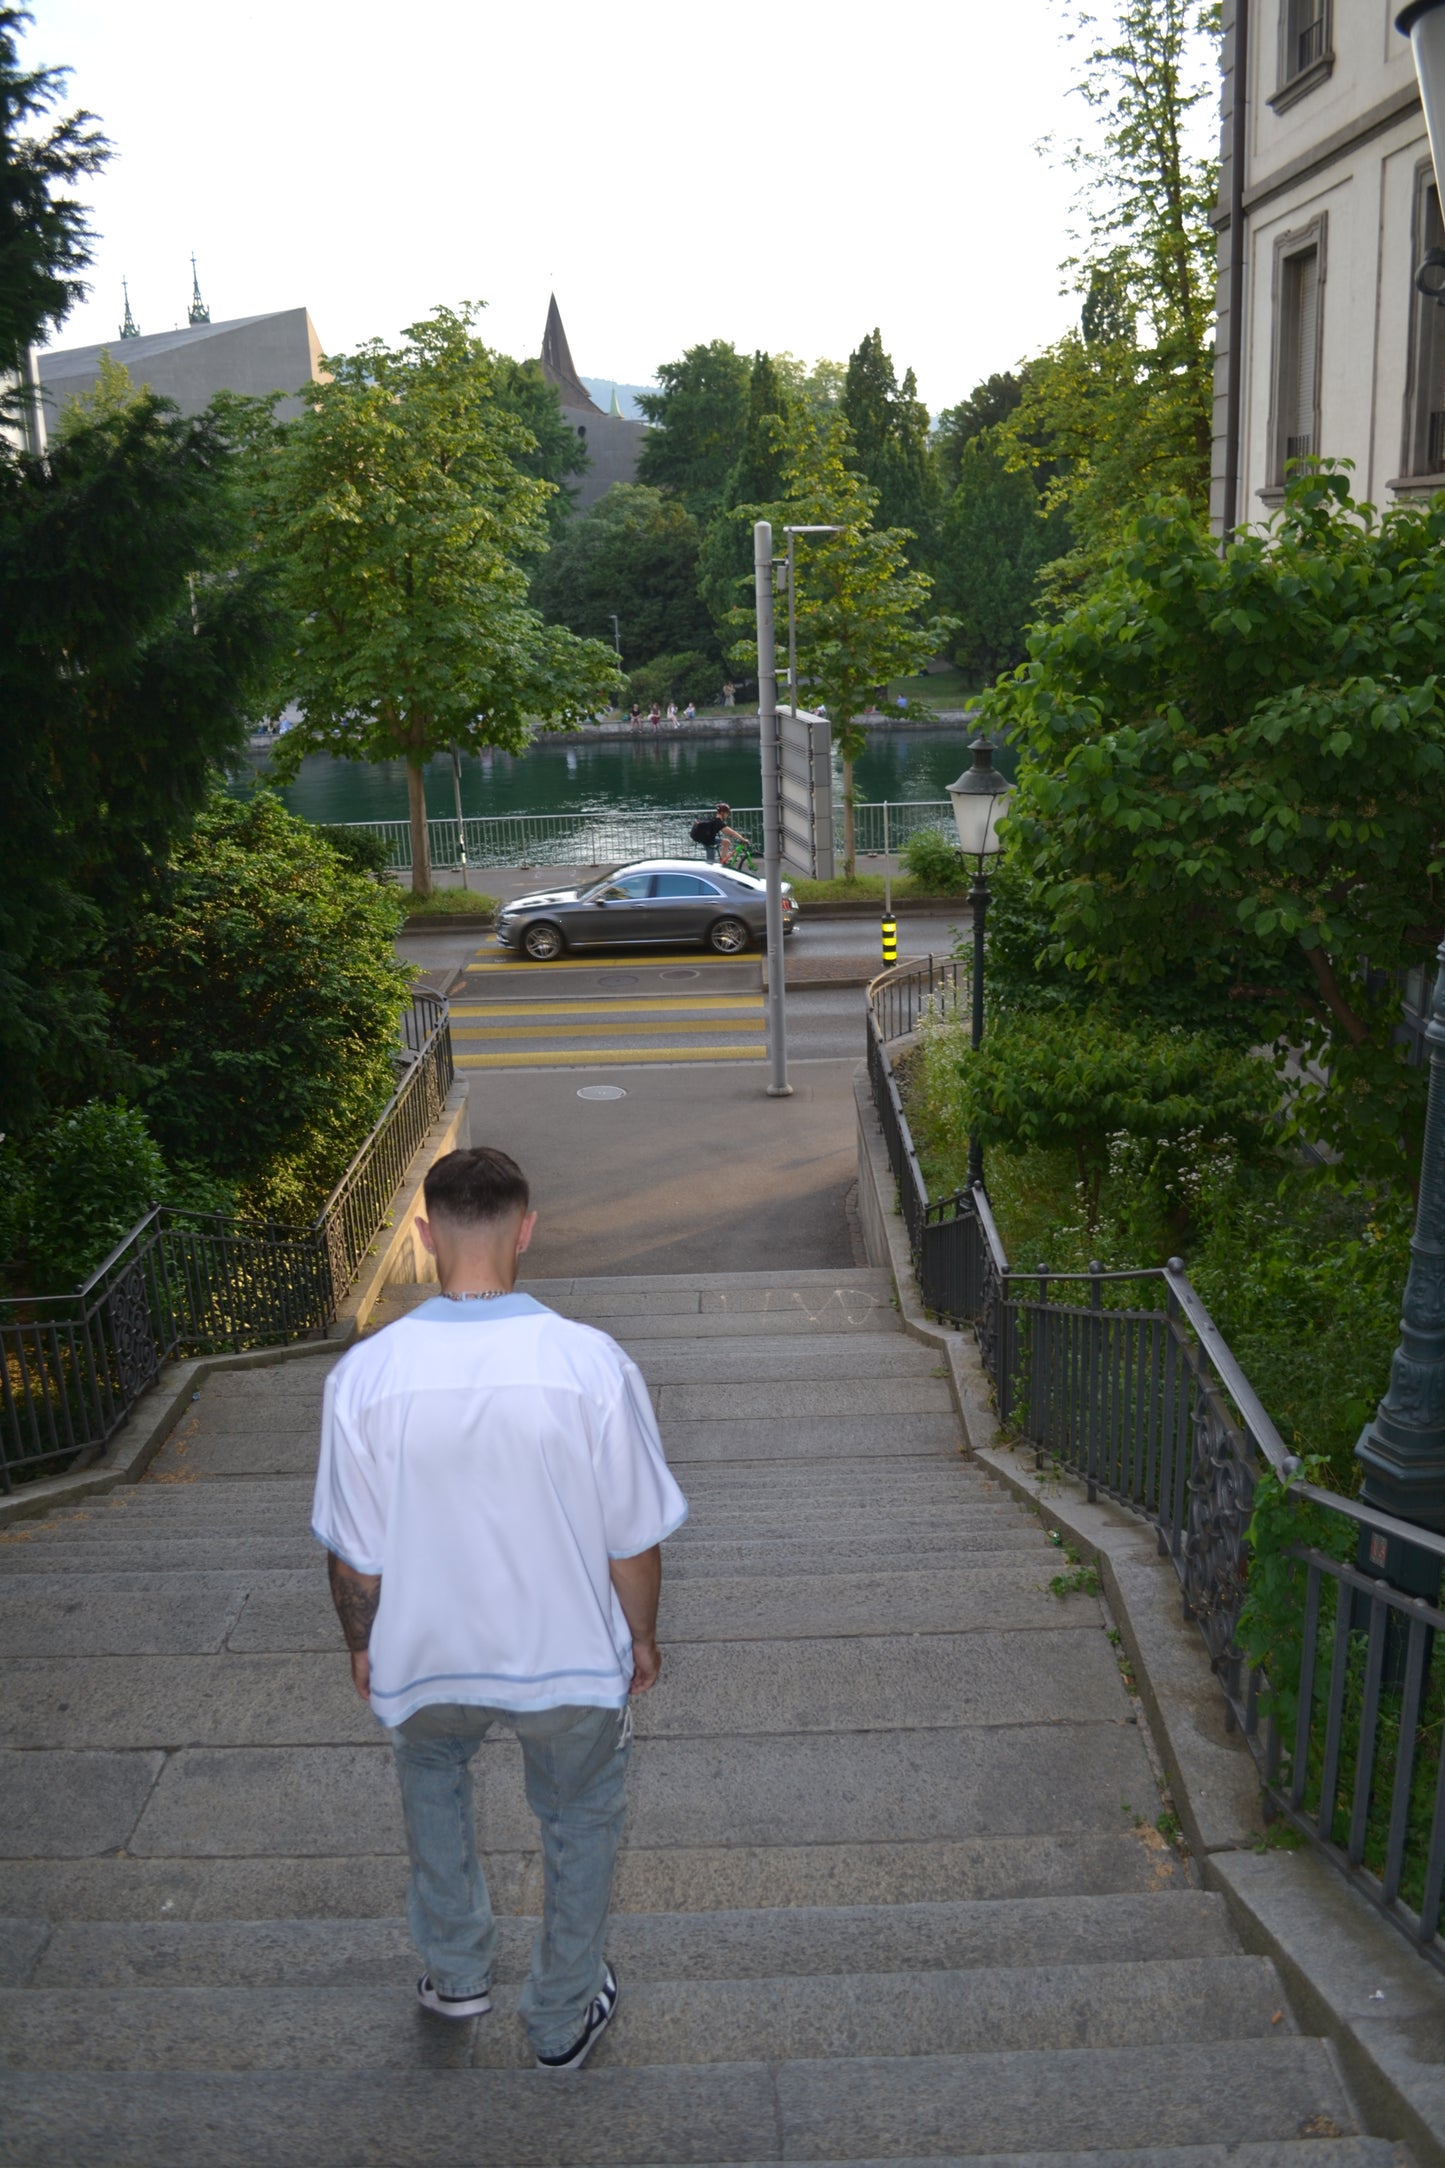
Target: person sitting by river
{"x": 672, "y": 715}
{"x": 689, "y": 713}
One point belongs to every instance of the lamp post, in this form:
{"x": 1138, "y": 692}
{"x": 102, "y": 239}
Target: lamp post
{"x": 1402, "y": 1451}
{"x": 980, "y": 802}
{"x": 1423, "y": 23}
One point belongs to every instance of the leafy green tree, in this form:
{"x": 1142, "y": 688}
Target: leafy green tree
{"x": 1236, "y": 758}
{"x": 635, "y": 552}
{"x": 694, "y": 676}
{"x": 859, "y": 605}
{"x": 45, "y": 239}
{"x": 1123, "y": 407}
{"x": 1076, "y": 1083}
{"x": 994, "y": 541}
{"x": 988, "y": 404}
{"x": 398, "y": 520}
{"x": 257, "y": 999}
{"x": 697, "y": 419}
{"x": 889, "y": 425}
{"x": 559, "y": 454}
{"x": 725, "y": 560}
{"x": 820, "y": 388}
{"x": 142, "y": 631}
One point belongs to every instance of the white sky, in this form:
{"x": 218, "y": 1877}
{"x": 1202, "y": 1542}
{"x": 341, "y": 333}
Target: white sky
{"x": 781, "y": 173}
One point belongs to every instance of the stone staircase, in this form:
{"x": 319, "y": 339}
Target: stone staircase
{"x": 892, "y": 1888}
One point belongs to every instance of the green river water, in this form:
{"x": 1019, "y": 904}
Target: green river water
{"x": 603, "y": 776}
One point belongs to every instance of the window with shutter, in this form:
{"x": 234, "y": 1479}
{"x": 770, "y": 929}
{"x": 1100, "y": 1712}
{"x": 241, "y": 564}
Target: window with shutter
{"x": 1425, "y": 416}
{"x": 1297, "y": 393}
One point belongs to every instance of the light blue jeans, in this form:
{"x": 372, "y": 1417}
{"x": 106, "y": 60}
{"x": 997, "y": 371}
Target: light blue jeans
{"x": 575, "y": 1762}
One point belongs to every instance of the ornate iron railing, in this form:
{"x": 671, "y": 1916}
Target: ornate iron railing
{"x": 605, "y": 839}
{"x": 72, "y": 1367}
{"x": 1124, "y": 1379}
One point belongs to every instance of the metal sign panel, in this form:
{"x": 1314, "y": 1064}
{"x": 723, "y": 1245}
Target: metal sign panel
{"x": 805, "y": 785}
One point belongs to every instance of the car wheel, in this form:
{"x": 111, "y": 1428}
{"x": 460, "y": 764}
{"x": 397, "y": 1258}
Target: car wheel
{"x": 727, "y": 936}
{"x": 543, "y": 942}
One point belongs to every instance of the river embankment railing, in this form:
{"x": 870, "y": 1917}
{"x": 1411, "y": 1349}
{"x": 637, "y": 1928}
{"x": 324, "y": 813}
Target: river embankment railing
{"x": 1124, "y": 1379}
{"x": 881, "y": 828}
{"x": 73, "y": 1366}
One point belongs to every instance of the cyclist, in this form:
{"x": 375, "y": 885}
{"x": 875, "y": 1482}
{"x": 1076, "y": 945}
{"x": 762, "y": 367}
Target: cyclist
{"x": 716, "y": 837}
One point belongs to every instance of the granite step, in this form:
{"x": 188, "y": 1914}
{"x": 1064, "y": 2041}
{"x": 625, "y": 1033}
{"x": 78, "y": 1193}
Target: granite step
{"x": 698, "y": 1879}
{"x": 1143, "y": 2097}
{"x": 343, "y": 2026}
{"x": 1068, "y": 1929}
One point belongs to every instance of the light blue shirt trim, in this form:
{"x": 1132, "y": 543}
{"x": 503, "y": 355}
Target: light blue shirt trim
{"x": 441, "y": 1310}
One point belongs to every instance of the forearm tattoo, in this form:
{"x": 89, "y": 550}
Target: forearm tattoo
{"x": 357, "y": 1598}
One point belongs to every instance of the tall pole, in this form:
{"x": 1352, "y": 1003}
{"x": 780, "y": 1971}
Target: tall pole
{"x": 1403, "y": 1449}
{"x": 461, "y": 826}
{"x": 978, "y": 898}
{"x": 778, "y": 1085}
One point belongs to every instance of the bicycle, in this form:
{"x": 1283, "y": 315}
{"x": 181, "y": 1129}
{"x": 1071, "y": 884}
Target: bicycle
{"x": 740, "y": 858}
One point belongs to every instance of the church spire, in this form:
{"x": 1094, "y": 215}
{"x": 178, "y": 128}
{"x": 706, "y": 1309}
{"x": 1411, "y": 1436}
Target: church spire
{"x": 198, "y": 313}
{"x": 130, "y": 329}
{"x": 615, "y": 407}
{"x": 557, "y": 365}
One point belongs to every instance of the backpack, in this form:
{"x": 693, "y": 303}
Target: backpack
{"x": 701, "y": 831}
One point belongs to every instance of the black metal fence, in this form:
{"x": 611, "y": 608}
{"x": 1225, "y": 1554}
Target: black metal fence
{"x": 1125, "y": 1379}
{"x": 72, "y": 1367}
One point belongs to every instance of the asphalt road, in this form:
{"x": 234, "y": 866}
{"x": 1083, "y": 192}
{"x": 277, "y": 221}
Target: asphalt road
{"x": 632, "y": 1090}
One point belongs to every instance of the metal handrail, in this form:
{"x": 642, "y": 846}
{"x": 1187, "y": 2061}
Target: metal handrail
{"x": 73, "y": 1366}
{"x": 1150, "y": 1406}
{"x": 603, "y": 838}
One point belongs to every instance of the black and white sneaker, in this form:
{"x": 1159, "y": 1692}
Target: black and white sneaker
{"x": 599, "y": 2017}
{"x": 431, "y": 1998}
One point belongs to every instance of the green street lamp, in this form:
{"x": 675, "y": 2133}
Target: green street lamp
{"x": 980, "y": 804}
{"x": 1403, "y": 1450}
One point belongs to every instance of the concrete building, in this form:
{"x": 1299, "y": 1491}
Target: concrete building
{"x": 1327, "y": 205}
{"x": 253, "y": 354}
{"x": 613, "y": 441}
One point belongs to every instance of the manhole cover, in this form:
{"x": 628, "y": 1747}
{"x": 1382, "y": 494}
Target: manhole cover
{"x": 693, "y": 974}
{"x": 601, "y": 1091}
{"x": 621, "y": 978}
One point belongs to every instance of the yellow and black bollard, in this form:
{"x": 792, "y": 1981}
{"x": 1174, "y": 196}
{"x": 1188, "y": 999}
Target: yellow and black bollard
{"x": 889, "y": 931}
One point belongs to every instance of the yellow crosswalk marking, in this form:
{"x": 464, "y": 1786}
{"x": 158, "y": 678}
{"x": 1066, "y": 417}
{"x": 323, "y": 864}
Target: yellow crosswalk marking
{"x": 591, "y": 1057}
{"x": 615, "y": 1005}
{"x": 500, "y": 959}
{"x": 571, "y": 1029}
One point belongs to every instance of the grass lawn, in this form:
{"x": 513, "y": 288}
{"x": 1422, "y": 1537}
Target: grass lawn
{"x": 868, "y": 888}
{"x": 450, "y": 903}
{"x": 936, "y": 689}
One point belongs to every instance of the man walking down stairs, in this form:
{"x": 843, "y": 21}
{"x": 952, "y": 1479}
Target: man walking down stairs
{"x": 892, "y": 1887}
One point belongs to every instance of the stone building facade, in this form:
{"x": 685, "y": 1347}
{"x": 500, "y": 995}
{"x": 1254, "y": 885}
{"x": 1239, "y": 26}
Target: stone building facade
{"x": 1327, "y": 205}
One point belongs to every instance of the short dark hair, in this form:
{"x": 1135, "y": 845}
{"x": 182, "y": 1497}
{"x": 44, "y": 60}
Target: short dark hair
{"x": 724, "y": 809}
{"x": 472, "y": 1187}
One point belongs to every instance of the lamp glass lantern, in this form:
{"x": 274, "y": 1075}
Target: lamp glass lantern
{"x": 1423, "y": 23}
{"x": 981, "y": 799}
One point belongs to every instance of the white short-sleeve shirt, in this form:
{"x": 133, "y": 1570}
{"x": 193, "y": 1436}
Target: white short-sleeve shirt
{"x": 488, "y": 1460}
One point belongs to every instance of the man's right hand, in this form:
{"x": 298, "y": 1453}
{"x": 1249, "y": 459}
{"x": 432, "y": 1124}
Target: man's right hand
{"x": 646, "y": 1666}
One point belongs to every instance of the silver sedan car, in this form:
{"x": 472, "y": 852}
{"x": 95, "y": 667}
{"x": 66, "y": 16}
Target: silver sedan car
{"x": 659, "y": 902}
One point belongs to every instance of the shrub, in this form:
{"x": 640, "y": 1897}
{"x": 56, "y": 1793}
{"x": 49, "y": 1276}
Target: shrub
{"x": 1079, "y": 1083}
{"x": 259, "y": 1001}
{"x": 361, "y": 850}
{"x": 689, "y": 676}
{"x": 74, "y": 1189}
{"x": 936, "y": 862}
